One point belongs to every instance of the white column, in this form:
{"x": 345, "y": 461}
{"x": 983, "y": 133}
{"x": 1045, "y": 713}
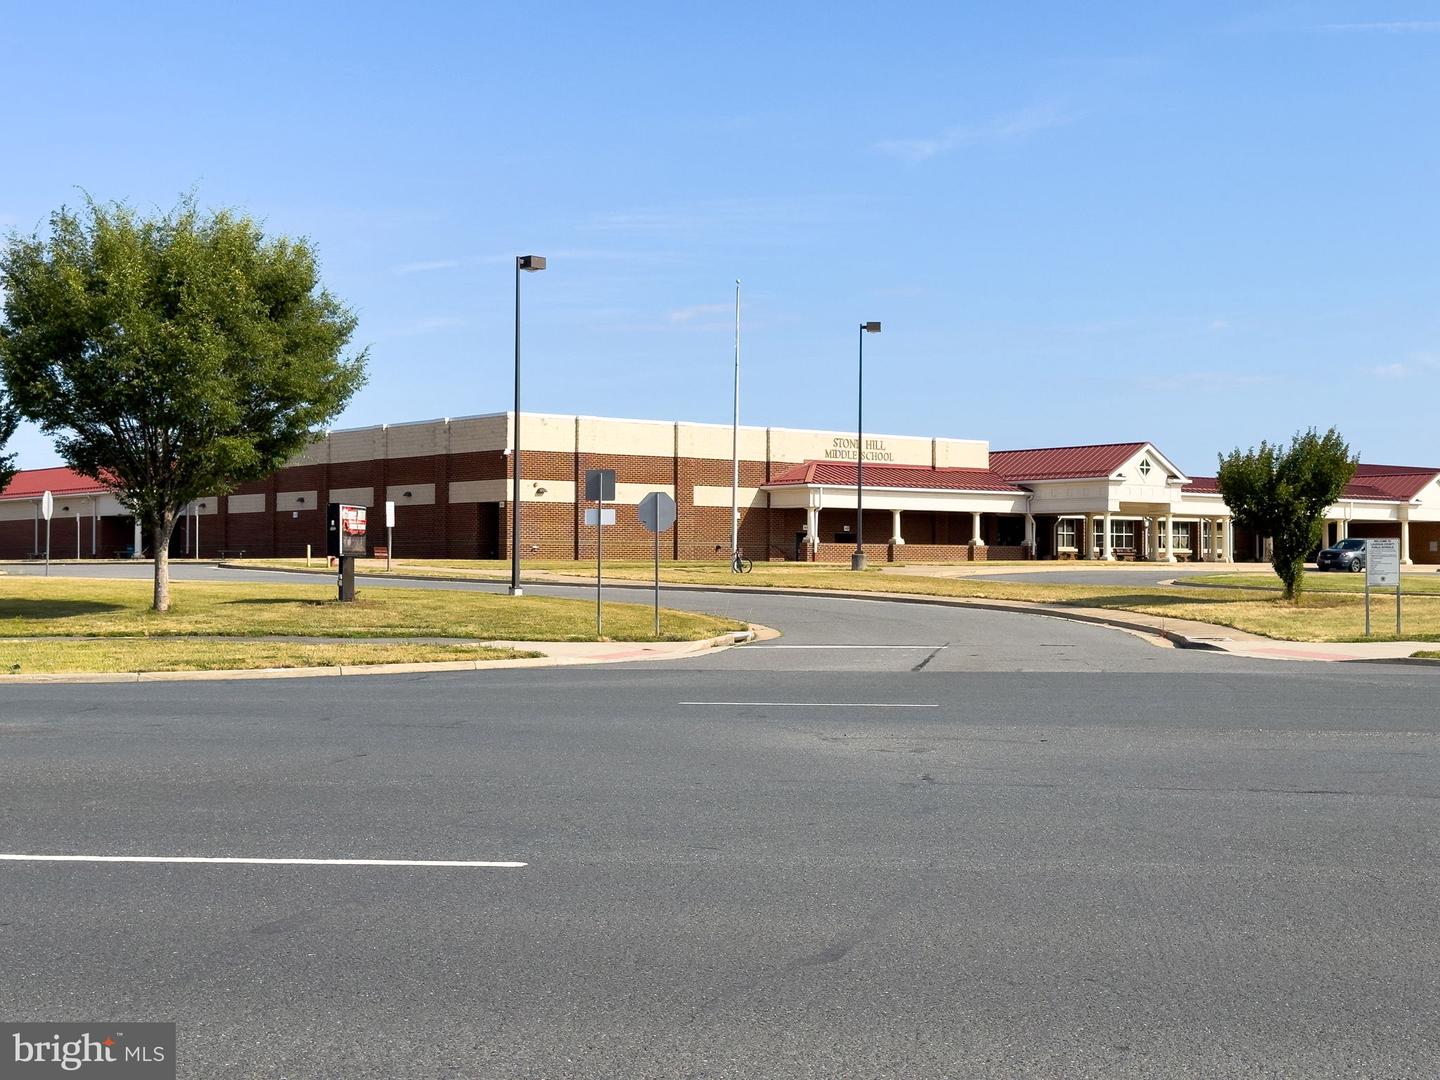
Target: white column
{"x": 1167, "y": 534}
{"x": 895, "y": 537}
{"x": 1107, "y": 545}
{"x": 1229, "y": 540}
{"x": 812, "y": 526}
{"x": 1030, "y": 537}
{"x": 1405, "y": 543}
{"x": 975, "y": 529}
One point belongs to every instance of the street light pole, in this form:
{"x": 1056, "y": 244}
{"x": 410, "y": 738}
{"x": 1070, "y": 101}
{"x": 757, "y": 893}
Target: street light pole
{"x": 735, "y": 446}
{"x": 857, "y": 560}
{"x": 528, "y": 263}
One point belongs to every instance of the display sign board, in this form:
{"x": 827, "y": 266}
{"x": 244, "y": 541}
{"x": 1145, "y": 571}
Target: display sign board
{"x": 595, "y": 516}
{"x": 600, "y": 485}
{"x": 345, "y": 530}
{"x": 1382, "y": 562}
{"x": 657, "y": 512}
{"x": 47, "y": 505}
{"x": 389, "y": 514}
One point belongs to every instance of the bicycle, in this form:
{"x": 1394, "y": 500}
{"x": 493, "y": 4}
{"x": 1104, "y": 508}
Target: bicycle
{"x": 740, "y": 565}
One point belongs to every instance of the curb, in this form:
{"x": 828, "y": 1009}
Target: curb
{"x": 1022, "y": 607}
{"x": 723, "y": 641}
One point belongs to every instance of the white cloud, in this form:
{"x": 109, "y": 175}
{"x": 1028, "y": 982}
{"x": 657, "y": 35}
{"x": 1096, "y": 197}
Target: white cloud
{"x": 1201, "y": 380}
{"x": 1002, "y": 128}
{"x": 1419, "y": 364}
{"x": 687, "y": 314}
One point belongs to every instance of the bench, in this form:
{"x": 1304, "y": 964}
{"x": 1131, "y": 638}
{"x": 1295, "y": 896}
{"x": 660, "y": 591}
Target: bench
{"x": 232, "y": 553}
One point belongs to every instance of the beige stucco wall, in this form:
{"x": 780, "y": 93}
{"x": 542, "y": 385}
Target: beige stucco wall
{"x": 356, "y": 496}
{"x": 647, "y": 438}
{"x": 473, "y": 434}
{"x": 720, "y": 496}
{"x": 420, "y": 494}
{"x": 245, "y": 504}
{"x": 297, "y": 500}
{"x": 715, "y": 441}
{"x": 473, "y": 491}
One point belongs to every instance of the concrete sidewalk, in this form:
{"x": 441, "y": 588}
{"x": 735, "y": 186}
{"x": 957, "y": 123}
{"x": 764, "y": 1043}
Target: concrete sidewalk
{"x": 552, "y": 654}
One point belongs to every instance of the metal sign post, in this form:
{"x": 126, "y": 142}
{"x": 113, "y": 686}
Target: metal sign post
{"x": 599, "y": 489}
{"x": 389, "y": 532}
{"x": 657, "y": 514}
{"x": 47, "y": 508}
{"x": 1382, "y": 568}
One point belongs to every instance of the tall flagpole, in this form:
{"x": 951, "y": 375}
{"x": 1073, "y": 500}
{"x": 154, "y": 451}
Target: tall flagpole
{"x": 735, "y": 441}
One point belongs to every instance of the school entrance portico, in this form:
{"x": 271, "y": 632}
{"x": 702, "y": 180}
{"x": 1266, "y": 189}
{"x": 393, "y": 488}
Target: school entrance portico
{"x": 911, "y": 513}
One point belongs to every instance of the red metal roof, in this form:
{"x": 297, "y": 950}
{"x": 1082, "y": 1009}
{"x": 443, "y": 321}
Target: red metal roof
{"x": 1063, "y": 462}
{"x": 1372, "y": 483}
{"x": 1394, "y": 482}
{"x": 32, "y": 483}
{"x": 911, "y": 477}
{"x": 1203, "y": 485}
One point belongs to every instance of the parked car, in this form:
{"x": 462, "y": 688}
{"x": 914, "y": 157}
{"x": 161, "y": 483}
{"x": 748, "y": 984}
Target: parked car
{"x": 1346, "y": 555}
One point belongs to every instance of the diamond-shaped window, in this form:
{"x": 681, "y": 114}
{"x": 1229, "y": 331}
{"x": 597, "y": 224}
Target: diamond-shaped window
{"x": 1145, "y": 467}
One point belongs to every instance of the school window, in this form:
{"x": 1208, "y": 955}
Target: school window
{"x": 1122, "y": 534}
{"x": 1065, "y": 535}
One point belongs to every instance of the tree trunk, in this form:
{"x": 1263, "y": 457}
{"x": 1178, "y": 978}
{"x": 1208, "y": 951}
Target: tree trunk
{"x": 162, "y": 531}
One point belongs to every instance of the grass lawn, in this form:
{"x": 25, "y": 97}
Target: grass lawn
{"x": 120, "y": 633}
{"x": 1324, "y": 614}
{"x": 188, "y": 654}
{"x": 1428, "y": 655}
{"x": 97, "y": 607}
{"x": 1410, "y": 584}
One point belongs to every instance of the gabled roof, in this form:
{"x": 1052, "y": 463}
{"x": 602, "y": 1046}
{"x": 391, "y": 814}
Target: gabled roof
{"x": 1372, "y": 483}
{"x": 1394, "y": 482}
{"x": 32, "y": 483}
{"x": 907, "y": 477}
{"x": 1063, "y": 462}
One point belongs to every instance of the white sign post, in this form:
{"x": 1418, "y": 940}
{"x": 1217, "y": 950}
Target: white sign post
{"x": 47, "y": 508}
{"x": 599, "y": 489}
{"x": 657, "y": 514}
{"x": 1382, "y": 569}
{"x": 389, "y": 531}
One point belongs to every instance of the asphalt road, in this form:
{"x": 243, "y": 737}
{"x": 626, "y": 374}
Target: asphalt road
{"x": 1052, "y": 850}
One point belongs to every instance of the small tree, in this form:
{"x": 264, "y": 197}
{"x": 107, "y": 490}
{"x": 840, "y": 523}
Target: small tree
{"x": 1283, "y": 494}
{"x": 172, "y": 357}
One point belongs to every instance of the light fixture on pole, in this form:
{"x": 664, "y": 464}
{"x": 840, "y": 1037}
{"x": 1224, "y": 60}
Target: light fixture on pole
{"x": 857, "y": 560}
{"x": 735, "y": 447}
{"x": 528, "y": 263}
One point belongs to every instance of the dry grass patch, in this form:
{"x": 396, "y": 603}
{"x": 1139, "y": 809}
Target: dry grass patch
{"x": 96, "y": 607}
{"x": 1323, "y": 615}
{"x": 180, "y": 654}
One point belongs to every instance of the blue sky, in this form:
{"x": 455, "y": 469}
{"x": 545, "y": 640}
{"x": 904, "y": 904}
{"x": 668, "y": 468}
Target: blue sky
{"x": 1199, "y": 224}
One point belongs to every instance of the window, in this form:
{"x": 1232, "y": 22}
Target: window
{"x": 1122, "y": 533}
{"x": 1145, "y": 467}
{"x": 1065, "y": 533}
{"x": 1181, "y": 533}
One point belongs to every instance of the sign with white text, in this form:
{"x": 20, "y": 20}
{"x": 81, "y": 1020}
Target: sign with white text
{"x": 1382, "y": 562}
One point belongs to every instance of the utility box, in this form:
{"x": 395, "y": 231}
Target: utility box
{"x": 345, "y": 530}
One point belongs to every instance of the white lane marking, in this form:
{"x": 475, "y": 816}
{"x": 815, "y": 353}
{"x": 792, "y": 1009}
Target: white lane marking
{"x": 819, "y": 704}
{"x": 262, "y": 862}
{"x": 937, "y": 647}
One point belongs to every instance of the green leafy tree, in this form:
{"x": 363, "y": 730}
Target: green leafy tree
{"x": 9, "y": 419}
{"x": 1283, "y": 493}
{"x": 172, "y": 357}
